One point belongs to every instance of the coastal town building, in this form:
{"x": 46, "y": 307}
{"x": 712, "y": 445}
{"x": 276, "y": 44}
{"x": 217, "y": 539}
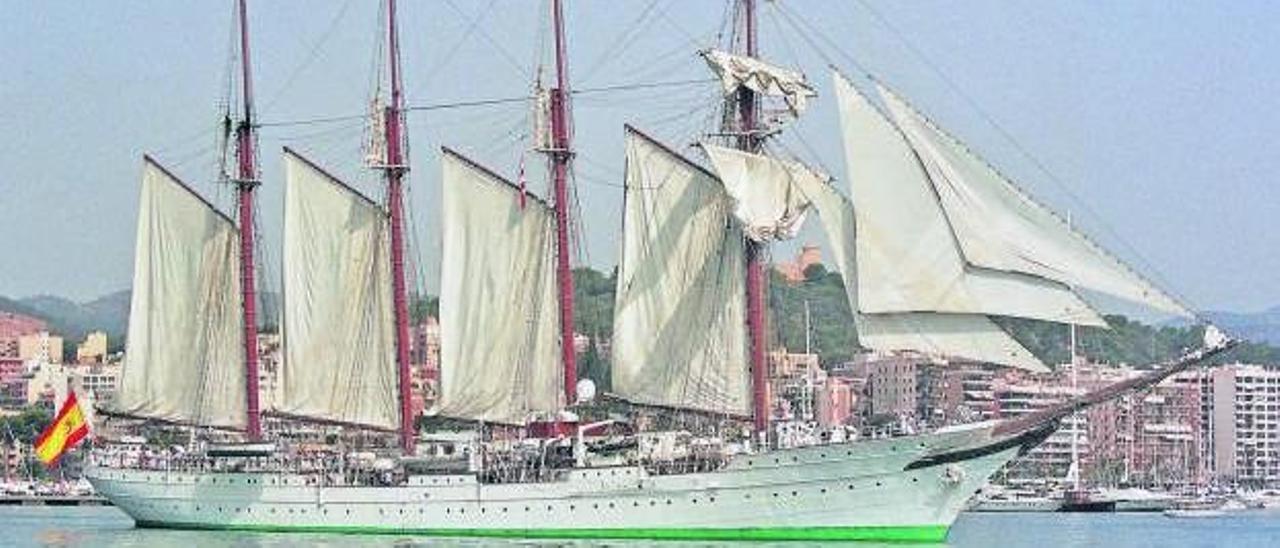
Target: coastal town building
{"x": 1240, "y": 416}
{"x": 15, "y": 326}
{"x": 793, "y": 271}
{"x": 834, "y": 402}
{"x": 889, "y": 391}
{"x": 41, "y": 346}
{"x": 93, "y": 349}
{"x": 96, "y": 380}
{"x": 13, "y": 382}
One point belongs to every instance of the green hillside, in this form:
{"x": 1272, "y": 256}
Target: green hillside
{"x": 832, "y": 333}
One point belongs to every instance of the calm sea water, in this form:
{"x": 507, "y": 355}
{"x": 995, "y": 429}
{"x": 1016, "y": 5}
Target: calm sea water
{"x": 108, "y": 527}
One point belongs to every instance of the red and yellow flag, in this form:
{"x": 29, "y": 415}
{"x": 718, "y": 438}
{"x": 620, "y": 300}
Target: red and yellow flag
{"x": 68, "y": 428}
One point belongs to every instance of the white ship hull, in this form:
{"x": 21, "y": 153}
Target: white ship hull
{"x": 909, "y": 488}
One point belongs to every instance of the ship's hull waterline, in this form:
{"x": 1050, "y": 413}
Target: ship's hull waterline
{"x": 904, "y": 489}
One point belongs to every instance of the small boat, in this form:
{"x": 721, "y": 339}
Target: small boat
{"x": 1085, "y": 501}
{"x": 1136, "y": 499}
{"x": 1232, "y": 505}
{"x": 1198, "y": 508}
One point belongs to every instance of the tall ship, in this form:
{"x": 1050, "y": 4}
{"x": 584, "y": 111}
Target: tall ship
{"x": 938, "y": 245}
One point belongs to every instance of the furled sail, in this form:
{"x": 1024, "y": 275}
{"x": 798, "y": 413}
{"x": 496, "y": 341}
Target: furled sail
{"x": 969, "y": 336}
{"x": 764, "y": 78}
{"x": 184, "y": 357}
{"x": 679, "y": 330}
{"x": 338, "y": 333}
{"x": 499, "y": 324}
{"x": 1000, "y": 227}
{"x": 765, "y": 191}
{"x": 907, "y": 256}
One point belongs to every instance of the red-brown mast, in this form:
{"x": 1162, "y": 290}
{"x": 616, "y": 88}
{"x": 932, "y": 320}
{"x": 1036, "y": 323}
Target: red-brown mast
{"x": 246, "y": 182}
{"x": 561, "y": 155}
{"x": 395, "y": 168}
{"x": 749, "y": 140}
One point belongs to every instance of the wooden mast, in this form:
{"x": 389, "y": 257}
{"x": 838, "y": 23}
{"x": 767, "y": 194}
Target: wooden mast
{"x": 561, "y": 154}
{"x": 749, "y": 140}
{"x": 394, "y": 169}
{"x": 246, "y": 182}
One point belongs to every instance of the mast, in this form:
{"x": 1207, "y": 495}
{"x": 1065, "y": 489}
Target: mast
{"x": 749, "y": 141}
{"x": 246, "y": 182}
{"x": 395, "y": 168}
{"x": 1075, "y": 417}
{"x": 561, "y": 155}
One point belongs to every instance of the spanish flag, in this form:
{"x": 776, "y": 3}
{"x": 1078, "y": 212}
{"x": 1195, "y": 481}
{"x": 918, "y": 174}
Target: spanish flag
{"x": 68, "y": 428}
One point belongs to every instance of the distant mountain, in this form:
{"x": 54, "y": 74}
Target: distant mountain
{"x": 72, "y": 320}
{"x": 1258, "y": 327}
{"x": 109, "y": 313}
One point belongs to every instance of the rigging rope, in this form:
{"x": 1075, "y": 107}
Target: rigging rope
{"x": 488, "y": 102}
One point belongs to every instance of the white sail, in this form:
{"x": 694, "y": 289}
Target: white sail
{"x": 908, "y": 258}
{"x": 338, "y": 325}
{"x": 499, "y": 321}
{"x": 1000, "y": 227}
{"x": 764, "y": 190}
{"x": 679, "y": 332}
{"x": 767, "y": 79}
{"x": 970, "y": 336}
{"x": 184, "y": 357}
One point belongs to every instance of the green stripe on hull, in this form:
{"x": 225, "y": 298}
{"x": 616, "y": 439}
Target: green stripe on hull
{"x": 890, "y": 533}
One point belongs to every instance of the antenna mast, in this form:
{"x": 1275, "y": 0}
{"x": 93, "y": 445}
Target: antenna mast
{"x": 561, "y": 154}
{"x": 395, "y": 168}
{"x": 246, "y": 182}
{"x": 749, "y": 140}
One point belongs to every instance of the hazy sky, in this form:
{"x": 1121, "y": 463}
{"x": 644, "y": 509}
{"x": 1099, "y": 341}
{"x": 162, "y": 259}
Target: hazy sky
{"x": 1156, "y": 119}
